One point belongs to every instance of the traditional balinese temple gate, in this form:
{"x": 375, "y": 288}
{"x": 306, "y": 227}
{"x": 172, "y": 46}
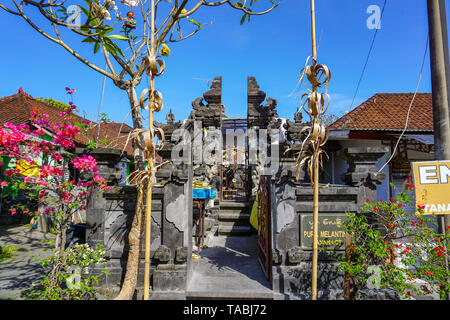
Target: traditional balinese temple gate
{"x": 285, "y": 204}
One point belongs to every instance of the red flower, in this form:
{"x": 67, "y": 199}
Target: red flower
{"x": 392, "y": 200}
{"x": 400, "y": 205}
{"x": 367, "y": 200}
{"x": 411, "y": 185}
{"x": 376, "y": 209}
{"x": 420, "y": 207}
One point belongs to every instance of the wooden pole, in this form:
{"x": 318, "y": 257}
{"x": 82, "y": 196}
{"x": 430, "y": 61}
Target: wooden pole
{"x": 148, "y": 207}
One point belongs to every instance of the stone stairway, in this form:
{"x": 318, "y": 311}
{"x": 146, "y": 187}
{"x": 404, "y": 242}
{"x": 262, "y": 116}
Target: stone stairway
{"x": 234, "y": 219}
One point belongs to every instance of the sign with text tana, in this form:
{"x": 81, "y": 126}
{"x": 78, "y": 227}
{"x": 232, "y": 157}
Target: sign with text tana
{"x": 431, "y": 180}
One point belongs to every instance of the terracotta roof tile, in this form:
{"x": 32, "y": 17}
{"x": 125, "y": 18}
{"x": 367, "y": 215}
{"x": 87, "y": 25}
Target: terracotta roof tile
{"x": 17, "y": 109}
{"x": 388, "y": 112}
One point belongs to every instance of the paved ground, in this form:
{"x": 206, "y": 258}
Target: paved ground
{"x": 22, "y": 270}
{"x": 229, "y": 268}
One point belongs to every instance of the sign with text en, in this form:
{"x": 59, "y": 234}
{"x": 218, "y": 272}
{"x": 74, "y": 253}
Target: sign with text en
{"x": 431, "y": 180}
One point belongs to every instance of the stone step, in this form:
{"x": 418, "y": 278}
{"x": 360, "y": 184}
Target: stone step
{"x": 233, "y": 216}
{"x": 232, "y": 204}
{"x": 233, "y": 229}
{"x": 230, "y": 295}
{"x": 234, "y": 210}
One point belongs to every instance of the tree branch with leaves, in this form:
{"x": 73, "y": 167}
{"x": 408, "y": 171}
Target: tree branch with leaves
{"x": 125, "y": 49}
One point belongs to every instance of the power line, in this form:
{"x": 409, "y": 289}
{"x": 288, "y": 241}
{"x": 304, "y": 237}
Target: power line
{"x": 410, "y": 106}
{"x": 368, "y": 55}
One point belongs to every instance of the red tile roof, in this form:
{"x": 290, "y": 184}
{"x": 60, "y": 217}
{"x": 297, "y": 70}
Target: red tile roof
{"x": 388, "y": 112}
{"x": 17, "y": 109}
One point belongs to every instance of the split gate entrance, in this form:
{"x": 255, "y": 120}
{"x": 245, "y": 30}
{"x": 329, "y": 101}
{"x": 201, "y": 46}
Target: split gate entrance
{"x": 235, "y": 187}
{"x": 234, "y": 169}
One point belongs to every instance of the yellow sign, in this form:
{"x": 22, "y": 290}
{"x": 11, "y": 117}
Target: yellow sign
{"x": 26, "y": 169}
{"x": 431, "y": 180}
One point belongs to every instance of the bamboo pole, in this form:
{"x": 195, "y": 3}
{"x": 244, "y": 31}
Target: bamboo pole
{"x": 313, "y": 31}
{"x": 148, "y": 207}
{"x": 315, "y": 174}
{"x": 315, "y": 228}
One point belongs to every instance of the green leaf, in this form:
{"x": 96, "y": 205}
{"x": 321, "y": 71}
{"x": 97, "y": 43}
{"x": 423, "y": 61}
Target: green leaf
{"x": 85, "y": 11}
{"x": 96, "y": 47}
{"x": 118, "y": 37}
{"x": 89, "y": 39}
{"x": 195, "y": 22}
{"x": 112, "y": 47}
{"x": 243, "y": 19}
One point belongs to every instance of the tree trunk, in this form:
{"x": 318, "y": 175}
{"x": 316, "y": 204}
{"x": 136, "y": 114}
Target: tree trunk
{"x": 134, "y": 237}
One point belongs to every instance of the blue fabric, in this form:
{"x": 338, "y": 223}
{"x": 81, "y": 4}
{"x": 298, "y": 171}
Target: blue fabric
{"x": 203, "y": 193}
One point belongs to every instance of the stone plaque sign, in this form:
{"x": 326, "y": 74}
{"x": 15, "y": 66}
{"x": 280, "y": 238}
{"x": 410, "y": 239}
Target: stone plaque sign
{"x": 331, "y": 231}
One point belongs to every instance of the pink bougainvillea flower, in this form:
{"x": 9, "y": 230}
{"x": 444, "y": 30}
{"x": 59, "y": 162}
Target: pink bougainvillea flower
{"x": 392, "y": 200}
{"x": 85, "y": 163}
{"x": 13, "y": 211}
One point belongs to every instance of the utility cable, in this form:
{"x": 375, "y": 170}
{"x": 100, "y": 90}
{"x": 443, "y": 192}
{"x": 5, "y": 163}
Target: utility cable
{"x": 410, "y": 106}
{"x": 368, "y": 55}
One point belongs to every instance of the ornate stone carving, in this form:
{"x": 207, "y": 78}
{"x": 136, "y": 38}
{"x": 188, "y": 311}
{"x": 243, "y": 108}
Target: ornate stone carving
{"x": 363, "y": 172}
{"x": 258, "y": 114}
{"x": 362, "y": 168}
{"x": 171, "y": 172}
{"x": 168, "y": 128}
{"x": 163, "y": 254}
{"x": 211, "y": 113}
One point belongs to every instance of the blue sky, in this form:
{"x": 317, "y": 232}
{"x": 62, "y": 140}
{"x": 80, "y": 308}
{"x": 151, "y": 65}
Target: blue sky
{"x": 273, "y": 48}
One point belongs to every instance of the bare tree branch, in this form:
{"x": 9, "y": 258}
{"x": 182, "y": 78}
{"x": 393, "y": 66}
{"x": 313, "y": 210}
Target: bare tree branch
{"x": 248, "y": 10}
{"x": 64, "y": 45}
{"x": 9, "y": 10}
{"x": 242, "y": 8}
{"x": 183, "y": 38}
